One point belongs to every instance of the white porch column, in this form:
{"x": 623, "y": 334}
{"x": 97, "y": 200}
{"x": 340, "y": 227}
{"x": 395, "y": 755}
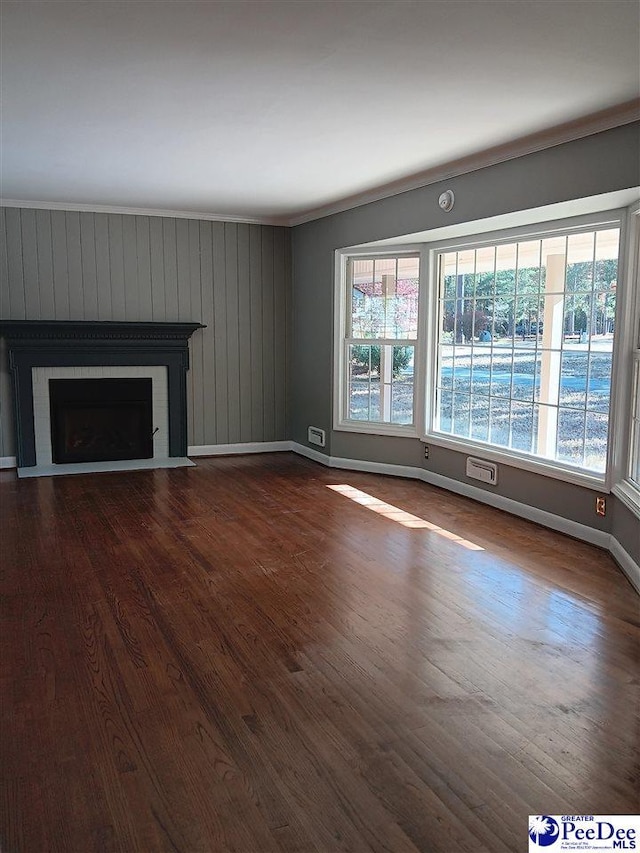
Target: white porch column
{"x": 550, "y": 364}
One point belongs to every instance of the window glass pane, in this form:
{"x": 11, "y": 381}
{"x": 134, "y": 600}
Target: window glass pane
{"x": 367, "y": 317}
{"x": 445, "y": 377}
{"x": 402, "y": 385}
{"x": 481, "y": 371}
{"x": 445, "y": 410}
{"x": 596, "y": 435}
{"x": 599, "y": 388}
{"x": 499, "y": 422}
{"x": 570, "y": 444}
{"x": 522, "y": 426}
{"x": 381, "y": 383}
{"x": 524, "y": 370}
{"x": 402, "y": 302}
{"x": 534, "y": 335}
{"x": 461, "y": 414}
{"x": 573, "y": 379}
{"x": 480, "y": 418}
{"x": 364, "y": 383}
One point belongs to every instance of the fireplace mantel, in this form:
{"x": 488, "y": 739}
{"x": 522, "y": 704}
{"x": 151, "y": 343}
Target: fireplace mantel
{"x": 71, "y": 343}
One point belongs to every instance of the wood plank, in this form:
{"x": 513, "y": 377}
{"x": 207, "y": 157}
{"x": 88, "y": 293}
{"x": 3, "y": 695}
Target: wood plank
{"x": 156, "y": 254}
{"x": 5, "y": 301}
{"x": 130, "y": 268}
{"x": 15, "y": 272}
{"x": 171, "y": 283}
{"x": 268, "y": 336}
{"x": 60, "y": 257}
{"x": 183, "y": 269}
{"x": 255, "y": 275}
{"x": 116, "y": 267}
{"x": 280, "y": 287}
{"x": 143, "y": 264}
{"x": 196, "y": 342}
{"x": 210, "y": 319}
{"x": 30, "y": 265}
{"x": 236, "y": 657}
{"x": 232, "y": 333}
{"x": 89, "y": 268}
{"x": 221, "y": 363}
{"x": 74, "y": 266}
{"x": 103, "y": 266}
{"x": 244, "y": 331}
{"x": 44, "y": 248}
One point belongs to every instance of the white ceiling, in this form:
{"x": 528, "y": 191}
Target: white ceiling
{"x": 271, "y": 109}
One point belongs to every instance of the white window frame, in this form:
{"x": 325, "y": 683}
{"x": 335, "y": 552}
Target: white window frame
{"x": 506, "y": 456}
{"x": 625, "y": 488}
{"x": 341, "y": 308}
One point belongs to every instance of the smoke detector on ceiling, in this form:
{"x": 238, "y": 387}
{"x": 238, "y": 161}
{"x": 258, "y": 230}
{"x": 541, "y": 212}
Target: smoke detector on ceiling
{"x": 446, "y": 201}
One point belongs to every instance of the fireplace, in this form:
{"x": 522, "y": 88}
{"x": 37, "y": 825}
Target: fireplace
{"x": 97, "y": 396}
{"x": 100, "y": 420}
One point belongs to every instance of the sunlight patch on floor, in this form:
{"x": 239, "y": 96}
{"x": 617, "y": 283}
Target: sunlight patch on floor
{"x": 394, "y": 513}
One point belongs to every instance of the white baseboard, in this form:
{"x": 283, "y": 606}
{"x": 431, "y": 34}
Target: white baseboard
{"x": 626, "y": 563}
{"x": 547, "y": 519}
{"x": 310, "y": 453}
{"x": 7, "y": 461}
{"x": 233, "y": 449}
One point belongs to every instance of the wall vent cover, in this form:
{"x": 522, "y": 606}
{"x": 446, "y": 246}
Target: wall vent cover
{"x": 480, "y": 469}
{"x": 316, "y": 435}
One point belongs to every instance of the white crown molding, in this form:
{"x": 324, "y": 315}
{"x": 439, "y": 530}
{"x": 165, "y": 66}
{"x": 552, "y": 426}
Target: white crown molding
{"x": 142, "y": 211}
{"x": 608, "y": 119}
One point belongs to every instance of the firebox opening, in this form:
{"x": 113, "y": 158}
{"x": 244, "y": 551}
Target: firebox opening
{"x": 100, "y": 420}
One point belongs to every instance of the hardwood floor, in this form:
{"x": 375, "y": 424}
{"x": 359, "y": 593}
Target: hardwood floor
{"x": 235, "y": 657}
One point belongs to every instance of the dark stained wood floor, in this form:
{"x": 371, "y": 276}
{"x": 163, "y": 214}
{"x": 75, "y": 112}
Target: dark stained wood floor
{"x": 235, "y": 657}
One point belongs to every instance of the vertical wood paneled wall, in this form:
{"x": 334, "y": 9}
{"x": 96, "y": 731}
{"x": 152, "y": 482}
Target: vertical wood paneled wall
{"x": 236, "y": 278}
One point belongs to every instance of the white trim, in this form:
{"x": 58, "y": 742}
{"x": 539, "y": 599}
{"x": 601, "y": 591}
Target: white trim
{"x": 626, "y": 563}
{"x": 539, "y": 516}
{"x": 236, "y": 449}
{"x": 142, "y": 211}
{"x": 587, "y": 126}
{"x": 310, "y": 453}
{"x": 629, "y": 495}
{"x": 7, "y": 462}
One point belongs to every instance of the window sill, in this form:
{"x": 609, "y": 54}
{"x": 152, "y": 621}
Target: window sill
{"x": 373, "y": 428}
{"x": 545, "y": 468}
{"x": 629, "y": 495}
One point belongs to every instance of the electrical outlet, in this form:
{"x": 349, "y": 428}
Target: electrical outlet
{"x": 426, "y": 451}
{"x": 601, "y": 506}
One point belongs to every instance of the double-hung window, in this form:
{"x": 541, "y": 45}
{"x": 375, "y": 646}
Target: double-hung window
{"x": 501, "y": 345}
{"x": 525, "y": 331}
{"x": 629, "y": 485}
{"x": 379, "y": 319}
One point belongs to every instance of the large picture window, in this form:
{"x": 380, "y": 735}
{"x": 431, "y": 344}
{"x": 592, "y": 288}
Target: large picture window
{"x": 379, "y": 343}
{"x": 525, "y": 335}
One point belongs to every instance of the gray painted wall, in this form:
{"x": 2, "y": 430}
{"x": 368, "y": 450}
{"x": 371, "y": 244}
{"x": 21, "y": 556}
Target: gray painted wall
{"x": 59, "y": 265}
{"x": 601, "y": 163}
